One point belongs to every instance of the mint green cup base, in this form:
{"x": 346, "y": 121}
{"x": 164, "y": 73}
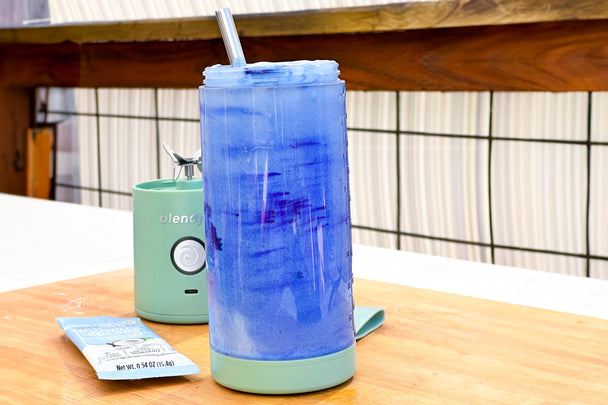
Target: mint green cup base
{"x": 284, "y": 377}
{"x": 177, "y": 319}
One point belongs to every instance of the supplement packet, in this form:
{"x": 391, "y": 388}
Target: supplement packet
{"x": 125, "y": 348}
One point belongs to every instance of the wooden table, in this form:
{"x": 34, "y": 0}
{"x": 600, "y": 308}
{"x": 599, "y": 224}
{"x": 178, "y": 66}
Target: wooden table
{"x": 433, "y": 348}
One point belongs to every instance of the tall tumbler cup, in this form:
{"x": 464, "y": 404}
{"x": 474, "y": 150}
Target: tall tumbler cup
{"x": 277, "y": 223}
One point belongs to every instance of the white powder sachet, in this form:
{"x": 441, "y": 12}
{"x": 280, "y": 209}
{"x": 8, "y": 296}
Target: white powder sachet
{"x": 125, "y": 348}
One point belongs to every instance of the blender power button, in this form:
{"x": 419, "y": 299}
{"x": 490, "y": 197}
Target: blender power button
{"x": 188, "y": 255}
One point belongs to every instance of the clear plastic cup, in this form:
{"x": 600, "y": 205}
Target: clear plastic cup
{"x": 277, "y": 216}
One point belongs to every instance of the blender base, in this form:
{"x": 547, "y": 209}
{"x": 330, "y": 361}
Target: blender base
{"x": 174, "y": 319}
{"x": 284, "y": 377}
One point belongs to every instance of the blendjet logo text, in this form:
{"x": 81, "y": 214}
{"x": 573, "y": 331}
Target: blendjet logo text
{"x": 171, "y": 218}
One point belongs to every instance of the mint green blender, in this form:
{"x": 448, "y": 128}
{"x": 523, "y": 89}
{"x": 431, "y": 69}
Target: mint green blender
{"x": 170, "y": 258}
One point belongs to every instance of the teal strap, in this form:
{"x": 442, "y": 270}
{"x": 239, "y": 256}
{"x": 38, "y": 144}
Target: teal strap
{"x": 367, "y": 320}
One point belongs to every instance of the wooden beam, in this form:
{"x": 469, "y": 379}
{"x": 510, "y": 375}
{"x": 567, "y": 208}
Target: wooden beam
{"x": 38, "y": 171}
{"x": 15, "y": 112}
{"x": 566, "y": 56}
{"x": 371, "y": 19}
{"x": 31, "y": 65}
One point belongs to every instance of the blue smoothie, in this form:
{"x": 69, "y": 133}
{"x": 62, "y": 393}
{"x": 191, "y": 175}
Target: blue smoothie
{"x": 277, "y": 215}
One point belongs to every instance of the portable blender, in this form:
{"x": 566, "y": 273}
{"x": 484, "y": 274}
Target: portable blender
{"x": 170, "y": 260}
{"x": 277, "y": 221}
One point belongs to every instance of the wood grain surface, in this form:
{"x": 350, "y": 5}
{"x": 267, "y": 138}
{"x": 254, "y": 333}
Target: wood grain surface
{"x": 566, "y": 56}
{"x": 38, "y": 171}
{"x": 378, "y": 18}
{"x": 15, "y": 119}
{"x": 434, "y": 348}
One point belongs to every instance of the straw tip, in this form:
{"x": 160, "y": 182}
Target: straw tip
{"x": 230, "y": 36}
{"x": 223, "y": 12}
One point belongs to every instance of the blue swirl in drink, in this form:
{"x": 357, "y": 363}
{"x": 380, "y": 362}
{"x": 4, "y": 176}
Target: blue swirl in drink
{"x": 275, "y": 172}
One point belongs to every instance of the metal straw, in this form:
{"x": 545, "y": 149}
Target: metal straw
{"x": 230, "y": 36}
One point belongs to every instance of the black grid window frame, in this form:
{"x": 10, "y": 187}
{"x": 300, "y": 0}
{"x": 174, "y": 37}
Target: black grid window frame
{"x": 156, "y": 118}
{"x": 399, "y": 134}
{"x": 491, "y": 138}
